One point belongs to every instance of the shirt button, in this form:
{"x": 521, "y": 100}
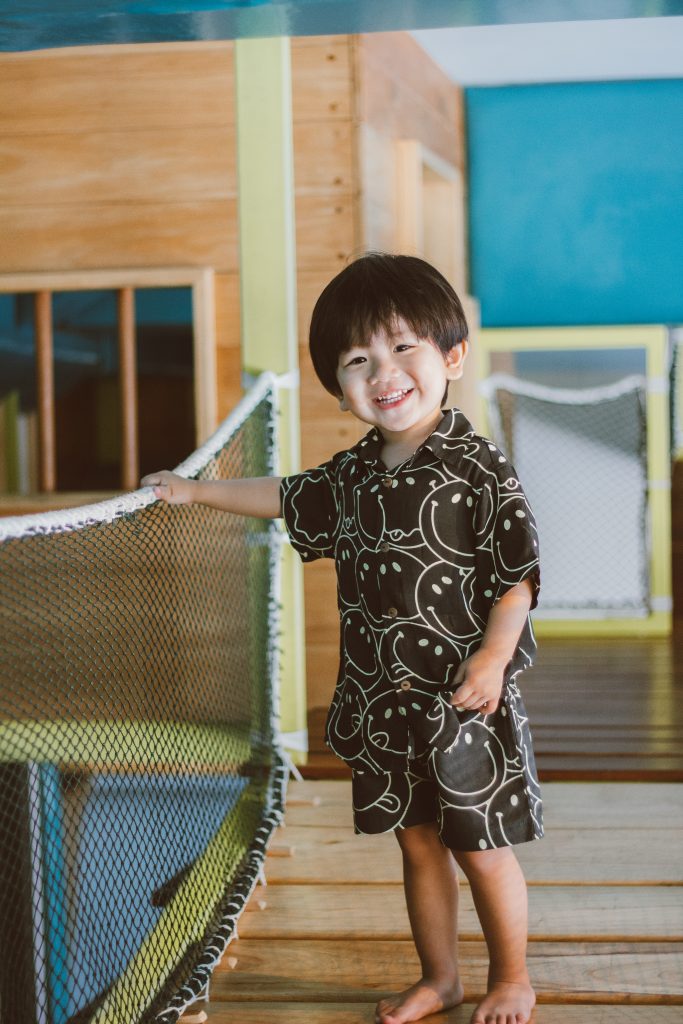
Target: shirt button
{"x": 392, "y": 612}
{"x": 385, "y": 546}
{"x": 405, "y": 684}
{"x": 387, "y": 482}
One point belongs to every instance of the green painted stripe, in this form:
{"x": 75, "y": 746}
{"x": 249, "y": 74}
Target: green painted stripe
{"x": 265, "y": 170}
{"x": 185, "y": 920}
{"x": 109, "y": 743}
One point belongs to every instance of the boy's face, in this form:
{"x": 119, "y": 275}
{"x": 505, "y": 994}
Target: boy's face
{"x": 397, "y": 381}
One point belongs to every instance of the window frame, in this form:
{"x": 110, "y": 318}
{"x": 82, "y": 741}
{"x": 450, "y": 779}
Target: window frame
{"x": 201, "y": 281}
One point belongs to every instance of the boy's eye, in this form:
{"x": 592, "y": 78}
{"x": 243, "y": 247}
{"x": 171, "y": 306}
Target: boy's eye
{"x": 404, "y": 346}
{"x": 356, "y": 361}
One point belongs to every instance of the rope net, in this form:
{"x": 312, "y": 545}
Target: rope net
{"x": 581, "y": 454}
{"x": 140, "y": 769}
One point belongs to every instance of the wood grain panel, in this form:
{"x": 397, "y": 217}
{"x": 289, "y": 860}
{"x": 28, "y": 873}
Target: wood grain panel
{"x": 157, "y": 165}
{"x": 322, "y": 632}
{"x": 648, "y": 806}
{"x": 614, "y": 913}
{"x": 318, "y": 401}
{"x": 323, "y": 157}
{"x": 361, "y": 1013}
{"x": 325, "y": 232}
{"x": 613, "y": 743}
{"x": 228, "y": 380}
{"x": 321, "y": 79}
{"x": 320, "y": 677}
{"x": 353, "y": 971}
{"x": 599, "y": 709}
{"x": 227, "y": 298}
{"x": 118, "y": 88}
{"x": 331, "y": 434}
{"x": 377, "y": 181}
{"x": 159, "y": 234}
{"x": 564, "y": 857}
{"x": 114, "y": 235}
{"x": 310, "y": 283}
{"x": 325, "y": 180}
{"x": 404, "y": 94}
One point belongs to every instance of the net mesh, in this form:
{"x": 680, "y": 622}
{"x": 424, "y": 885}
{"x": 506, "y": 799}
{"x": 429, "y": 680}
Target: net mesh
{"x": 581, "y": 455}
{"x": 140, "y": 770}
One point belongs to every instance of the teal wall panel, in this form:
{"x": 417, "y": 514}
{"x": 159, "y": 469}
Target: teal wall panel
{"x": 576, "y": 202}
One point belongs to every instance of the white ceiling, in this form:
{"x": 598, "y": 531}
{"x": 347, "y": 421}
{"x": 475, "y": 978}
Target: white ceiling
{"x": 559, "y": 51}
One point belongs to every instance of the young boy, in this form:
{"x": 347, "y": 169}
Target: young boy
{"x": 437, "y": 568}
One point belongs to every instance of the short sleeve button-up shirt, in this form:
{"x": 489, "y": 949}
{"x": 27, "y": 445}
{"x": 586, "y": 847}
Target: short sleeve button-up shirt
{"x": 422, "y": 553}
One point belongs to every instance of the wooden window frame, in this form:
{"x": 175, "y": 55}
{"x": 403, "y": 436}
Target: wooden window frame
{"x": 125, "y": 282}
{"x": 430, "y": 206}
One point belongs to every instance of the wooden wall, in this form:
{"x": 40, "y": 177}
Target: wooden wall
{"x": 125, "y": 157}
{"x": 378, "y": 89}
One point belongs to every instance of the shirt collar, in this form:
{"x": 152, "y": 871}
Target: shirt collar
{"x": 453, "y": 427}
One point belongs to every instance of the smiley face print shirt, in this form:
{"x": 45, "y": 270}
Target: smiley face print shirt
{"x": 422, "y": 553}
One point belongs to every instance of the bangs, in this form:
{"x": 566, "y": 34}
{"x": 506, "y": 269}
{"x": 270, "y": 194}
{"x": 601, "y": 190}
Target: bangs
{"x": 370, "y": 296}
{"x": 383, "y": 317}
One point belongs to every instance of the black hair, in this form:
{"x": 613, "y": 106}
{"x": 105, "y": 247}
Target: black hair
{"x": 370, "y": 295}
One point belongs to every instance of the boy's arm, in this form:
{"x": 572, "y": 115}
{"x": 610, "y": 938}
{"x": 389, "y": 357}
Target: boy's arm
{"x": 480, "y": 677}
{"x": 254, "y": 496}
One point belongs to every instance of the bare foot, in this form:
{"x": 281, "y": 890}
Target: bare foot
{"x": 506, "y": 1002}
{"x": 418, "y": 1001}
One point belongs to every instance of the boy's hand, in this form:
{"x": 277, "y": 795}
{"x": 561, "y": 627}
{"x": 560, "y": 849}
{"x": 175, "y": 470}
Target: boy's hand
{"x": 170, "y": 487}
{"x": 481, "y": 682}
{"x": 481, "y": 676}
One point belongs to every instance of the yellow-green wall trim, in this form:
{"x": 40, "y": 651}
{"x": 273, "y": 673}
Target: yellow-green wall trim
{"x": 265, "y": 175}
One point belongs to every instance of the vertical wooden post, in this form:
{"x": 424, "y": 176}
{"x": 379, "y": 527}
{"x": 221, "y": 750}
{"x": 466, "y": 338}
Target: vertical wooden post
{"x": 128, "y": 390}
{"x": 409, "y": 225}
{"x": 47, "y": 446}
{"x": 263, "y": 112}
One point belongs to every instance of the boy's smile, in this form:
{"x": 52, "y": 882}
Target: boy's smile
{"x": 396, "y": 383}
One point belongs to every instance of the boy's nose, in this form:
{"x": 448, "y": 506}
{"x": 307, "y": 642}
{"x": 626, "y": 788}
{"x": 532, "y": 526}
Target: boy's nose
{"x": 382, "y": 371}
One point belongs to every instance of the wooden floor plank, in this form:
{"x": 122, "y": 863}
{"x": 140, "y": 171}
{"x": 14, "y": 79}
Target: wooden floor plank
{"x": 561, "y": 768}
{"x": 607, "y": 708}
{"x": 602, "y": 805}
{"x": 604, "y": 950}
{"x": 593, "y": 767}
{"x": 605, "y": 742}
{"x": 565, "y": 856}
{"x": 634, "y": 913}
{"x": 363, "y": 1013}
{"x": 289, "y": 970}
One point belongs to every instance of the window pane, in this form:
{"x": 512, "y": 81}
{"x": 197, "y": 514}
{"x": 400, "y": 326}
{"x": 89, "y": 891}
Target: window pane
{"x": 18, "y": 421}
{"x": 86, "y": 390}
{"x": 165, "y": 377}
{"x": 86, "y": 373}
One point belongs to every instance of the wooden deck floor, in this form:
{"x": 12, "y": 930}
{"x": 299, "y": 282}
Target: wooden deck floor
{"x": 599, "y": 709}
{"x": 606, "y": 915}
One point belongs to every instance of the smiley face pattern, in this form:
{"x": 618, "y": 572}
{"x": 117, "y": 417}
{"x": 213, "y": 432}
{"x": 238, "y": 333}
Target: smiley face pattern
{"x": 422, "y": 553}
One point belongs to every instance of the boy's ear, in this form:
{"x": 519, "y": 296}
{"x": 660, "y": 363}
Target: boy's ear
{"x": 342, "y": 404}
{"x": 455, "y": 359}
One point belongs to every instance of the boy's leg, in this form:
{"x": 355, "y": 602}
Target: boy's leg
{"x": 500, "y": 897}
{"x": 431, "y": 886}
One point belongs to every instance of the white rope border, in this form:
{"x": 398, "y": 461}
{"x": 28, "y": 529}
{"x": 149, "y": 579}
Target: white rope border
{"x": 561, "y": 396}
{"x": 107, "y": 511}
